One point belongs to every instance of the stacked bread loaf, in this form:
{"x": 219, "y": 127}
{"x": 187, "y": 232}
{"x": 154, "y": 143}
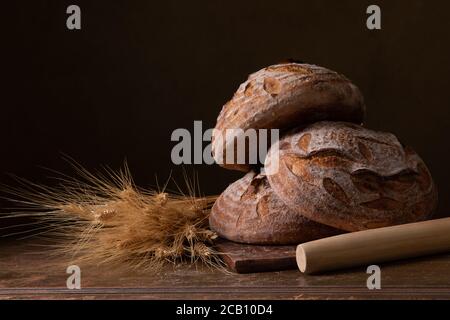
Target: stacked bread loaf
{"x": 333, "y": 175}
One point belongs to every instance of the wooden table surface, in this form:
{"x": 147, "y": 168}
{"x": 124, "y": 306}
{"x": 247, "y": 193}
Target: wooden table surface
{"x": 27, "y": 274}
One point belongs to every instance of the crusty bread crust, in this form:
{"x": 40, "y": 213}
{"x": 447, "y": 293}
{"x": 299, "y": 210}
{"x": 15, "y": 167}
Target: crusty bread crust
{"x": 248, "y": 211}
{"x": 285, "y": 96}
{"x": 352, "y": 178}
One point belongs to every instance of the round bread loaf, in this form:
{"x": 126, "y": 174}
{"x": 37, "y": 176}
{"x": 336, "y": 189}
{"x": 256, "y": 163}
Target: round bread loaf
{"x": 284, "y": 96}
{"x": 351, "y": 178}
{"x": 249, "y": 212}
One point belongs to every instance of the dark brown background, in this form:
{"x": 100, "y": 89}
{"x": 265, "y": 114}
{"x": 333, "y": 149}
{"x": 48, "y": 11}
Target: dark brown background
{"x": 140, "y": 69}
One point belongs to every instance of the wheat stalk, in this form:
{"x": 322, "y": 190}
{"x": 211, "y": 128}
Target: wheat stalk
{"x": 105, "y": 219}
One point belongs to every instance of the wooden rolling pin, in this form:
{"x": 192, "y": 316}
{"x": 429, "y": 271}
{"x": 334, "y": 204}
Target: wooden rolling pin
{"x": 375, "y": 245}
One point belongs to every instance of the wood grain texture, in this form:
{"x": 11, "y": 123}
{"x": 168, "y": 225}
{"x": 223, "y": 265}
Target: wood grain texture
{"x": 25, "y": 274}
{"x": 242, "y": 258}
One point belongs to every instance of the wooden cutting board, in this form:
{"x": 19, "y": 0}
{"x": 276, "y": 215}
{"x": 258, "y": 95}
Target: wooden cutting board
{"x": 244, "y": 258}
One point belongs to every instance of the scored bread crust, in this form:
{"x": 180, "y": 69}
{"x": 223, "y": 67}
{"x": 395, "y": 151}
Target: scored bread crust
{"x": 284, "y": 96}
{"x": 248, "y": 211}
{"x": 351, "y": 178}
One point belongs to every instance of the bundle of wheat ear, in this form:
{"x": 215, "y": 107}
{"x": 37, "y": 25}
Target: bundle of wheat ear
{"x": 105, "y": 219}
